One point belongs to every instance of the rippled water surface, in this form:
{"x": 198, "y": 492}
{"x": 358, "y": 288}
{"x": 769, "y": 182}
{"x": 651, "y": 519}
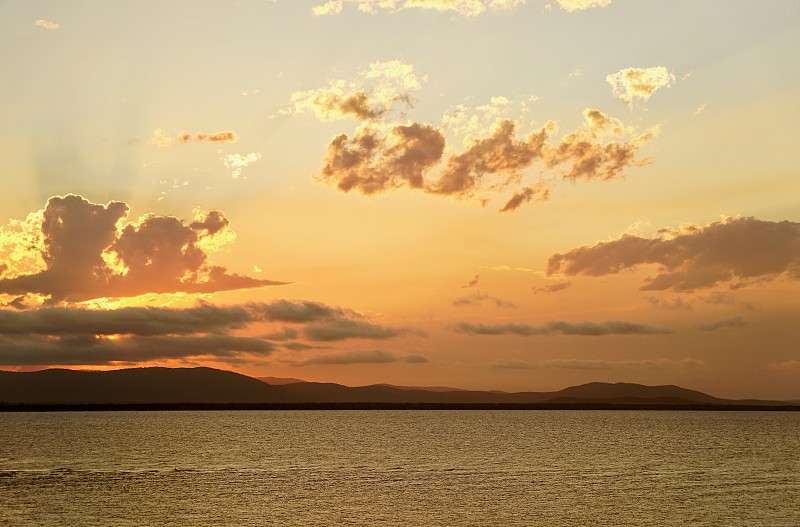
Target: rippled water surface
{"x": 400, "y": 468}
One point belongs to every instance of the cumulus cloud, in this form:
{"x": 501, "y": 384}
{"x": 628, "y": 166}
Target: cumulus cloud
{"x": 45, "y": 24}
{"x": 552, "y": 288}
{"x": 373, "y": 162}
{"x": 734, "y": 251}
{"x": 163, "y": 139}
{"x": 384, "y": 157}
{"x": 462, "y": 7}
{"x": 559, "y": 327}
{"x": 370, "y": 96}
{"x": 87, "y": 252}
{"x": 581, "y": 5}
{"x": 639, "y": 83}
{"x": 71, "y": 335}
{"x": 722, "y": 324}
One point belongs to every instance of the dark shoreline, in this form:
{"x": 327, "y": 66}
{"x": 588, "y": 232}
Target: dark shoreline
{"x": 160, "y": 407}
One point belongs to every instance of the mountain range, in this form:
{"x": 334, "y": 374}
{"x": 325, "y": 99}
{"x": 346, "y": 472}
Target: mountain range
{"x": 208, "y": 386}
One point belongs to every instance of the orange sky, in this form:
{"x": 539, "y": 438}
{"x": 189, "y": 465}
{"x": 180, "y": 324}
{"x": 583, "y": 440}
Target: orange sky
{"x": 518, "y": 195}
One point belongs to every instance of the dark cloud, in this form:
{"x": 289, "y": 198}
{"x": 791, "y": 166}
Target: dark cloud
{"x": 736, "y": 252}
{"x": 562, "y": 328}
{"x": 92, "y": 349}
{"x": 159, "y": 254}
{"x": 349, "y": 329}
{"x": 537, "y": 192}
{"x": 64, "y": 335}
{"x": 722, "y": 324}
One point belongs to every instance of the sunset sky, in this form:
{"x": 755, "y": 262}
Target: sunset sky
{"x": 518, "y": 195}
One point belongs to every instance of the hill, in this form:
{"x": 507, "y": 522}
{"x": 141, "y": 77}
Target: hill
{"x": 211, "y": 386}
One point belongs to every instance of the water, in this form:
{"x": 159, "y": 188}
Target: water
{"x": 400, "y": 468}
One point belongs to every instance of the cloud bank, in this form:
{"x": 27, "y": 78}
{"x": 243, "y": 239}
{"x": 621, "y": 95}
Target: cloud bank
{"x": 70, "y": 335}
{"x": 735, "y": 251}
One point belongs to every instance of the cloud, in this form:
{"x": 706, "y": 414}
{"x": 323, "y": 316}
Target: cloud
{"x": 671, "y": 304}
{"x": 472, "y": 282}
{"x": 580, "y": 5}
{"x": 87, "y": 252}
{"x": 722, "y": 324}
{"x": 72, "y": 335}
{"x": 370, "y": 96}
{"x": 538, "y": 192}
{"x": 734, "y": 251}
{"x": 500, "y": 153}
{"x": 552, "y": 288}
{"x": 349, "y": 329}
{"x": 238, "y": 162}
{"x": 601, "y": 364}
{"x": 590, "y": 156}
{"x": 592, "y": 329}
{"x": 162, "y": 139}
{"x": 462, "y": 7}
{"x": 361, "y": 357}
{"x": 373, "y": 162}
{"x": 512, "y": 364}
{"x": 477, "y": 298}
{"x": 384, "y": 157}
{"x": 639, "y": 83}
{"x": 91, "y": 349}
{"x": 44, "y": 24}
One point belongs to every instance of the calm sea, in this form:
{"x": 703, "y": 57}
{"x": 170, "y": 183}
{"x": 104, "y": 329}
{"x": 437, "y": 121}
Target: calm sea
{"x": 400, "y": 468}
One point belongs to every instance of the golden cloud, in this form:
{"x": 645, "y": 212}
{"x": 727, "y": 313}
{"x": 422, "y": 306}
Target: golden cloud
{"x": 462, "y": 7}
{"x": 639, "y": 83}
{"x": 580, "y": 5}
{"x": 88, "y": 252}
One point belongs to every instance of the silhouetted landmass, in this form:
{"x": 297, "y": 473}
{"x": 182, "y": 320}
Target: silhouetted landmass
{"x": 207, "y": 388}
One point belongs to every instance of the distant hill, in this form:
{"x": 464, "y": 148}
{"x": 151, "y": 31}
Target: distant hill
{"x": 211, "y": 386}
{"x": 279, "y": 381}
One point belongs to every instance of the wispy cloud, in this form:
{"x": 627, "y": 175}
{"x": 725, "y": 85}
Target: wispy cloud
{"x": 722, "y": 324}
{"x": 45, "y": 24}
{"x": 163, "y": 139}
{"x": 360, "y": 357}
{"x": 462, "y": 7}
{"x": 592, "y": 329}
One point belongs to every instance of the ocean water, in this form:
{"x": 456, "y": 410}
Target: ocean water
{"x": 400, "y": 468}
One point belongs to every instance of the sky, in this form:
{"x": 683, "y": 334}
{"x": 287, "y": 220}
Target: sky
{"x": 517, "y": 195}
